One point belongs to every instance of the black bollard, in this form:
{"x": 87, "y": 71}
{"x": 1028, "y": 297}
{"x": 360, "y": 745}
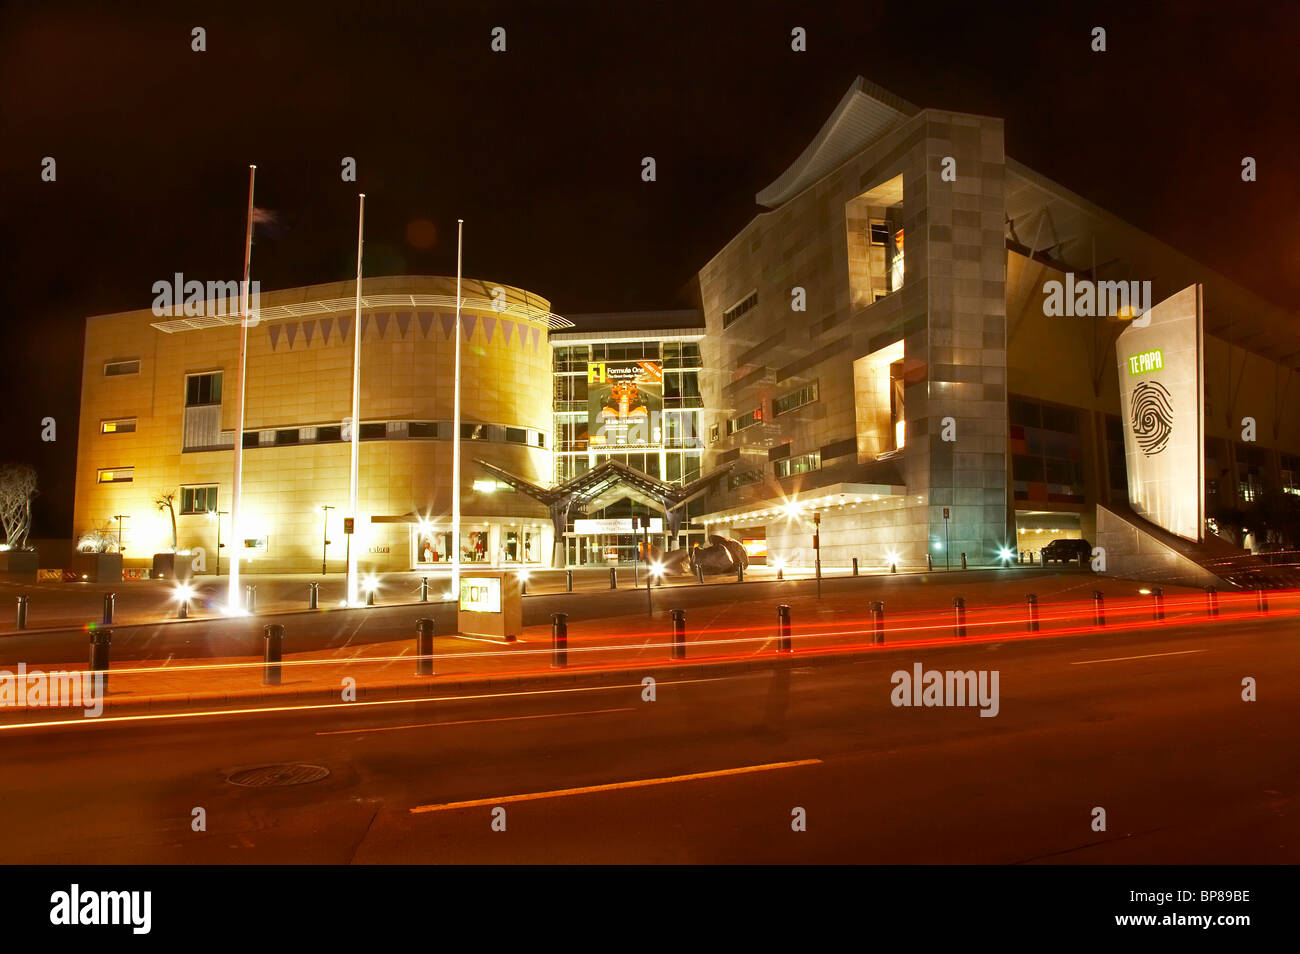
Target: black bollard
{"x": 963, "y": 561}
{"x": 855, "y": 566}
{"x": 929, "y": 562}
{"x": 568, "y": 581}
{"x": 559, "y": 640}
{"x": 101, "y": 641}
{"x": 613, "y": 578}
{"x": 699, "y": 572}
{"x": 424, "y": 589}
{"x": 679, "y": 634}
{"x": 783, "y": 629}
{"x": 109, "y": 600}
{"x": 893, "y": 568}
{"x": 370, "y": 597}
{"x": 877, "y": 622}
{"x": 273, "y": 633}
{"x": 424, "y": 647}
{"x": 250, "y": 599}
{"x": 1157, "y": 603}
{"x": 183, "y": 608}
{"x": 1261, "y": 600}
{"x": 740, "y": 573}
{"x": 959, "y": 617}
{"x": 22, "y": 613}
{"x": 1211, "y": 601}
{"x": 1098, "y": 608}
{"x": 313, "y": 596}
{"x": 1031, "y": 623}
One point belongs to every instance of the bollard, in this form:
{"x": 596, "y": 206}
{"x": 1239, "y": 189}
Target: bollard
{"x": 1098, "y": 608}
{"x": 679, "y": 634}
{"x": 1031, "y": 601}
{"x": 613, "y": 578}
{"x": 855, "y": 566}
{"x": 1020, "y": 558}
{"x": 893, "y": 568}
{"x": 959, "y": 617}
{"x": 877, "y": 622}
{"x": 250, "y": 599}
{"x": 1211, "y": 601}
{"x": 740, "y": 573}
{"x": 424, "y": 647}
{"x": 559, "y": 640}
{"x": 22, "y": 613}
{"x": 1157, "y": 603}
{"x": 699, "y": 572}
{"x": 523, "y": 585}
{"x": 780, "y": 573}
{"x": 1261, "y": 600}
{"x": 109, "y": 600}
{"x": 313, "y": 596}
{"x": 963, "y": 561}
{"x": 1031, "y": 557}
{"x": 273, "y": 633}
{"x": 183, "y": 608}
{"x": 929, "y": 562}
{"x": 424, "y": 589}
{"x": 568, "y": 581}
{"x": 101, "y": 641}
{"x": 783, "y": 629}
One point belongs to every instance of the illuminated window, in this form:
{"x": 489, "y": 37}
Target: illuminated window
{"x": 124, "y": 425}
{"x": 745, "y": 420}
{"x": 803, "y": 464}
{"x": 116, "y": 475}
{"x": 795, "y": 399}
{"x": 199, "y": 499}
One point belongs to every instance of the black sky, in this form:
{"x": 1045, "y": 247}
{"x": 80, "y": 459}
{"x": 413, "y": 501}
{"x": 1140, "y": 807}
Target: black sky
{"x": 539, "y": 148}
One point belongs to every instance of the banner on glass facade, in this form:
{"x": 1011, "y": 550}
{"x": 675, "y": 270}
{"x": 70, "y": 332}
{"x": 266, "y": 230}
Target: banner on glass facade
{"x": 625, "y": 401}
{"x": 1161, "y": 389}
{"x": 615, "y": 525}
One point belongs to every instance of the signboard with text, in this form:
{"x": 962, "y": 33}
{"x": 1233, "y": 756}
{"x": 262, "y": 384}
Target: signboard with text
{"x": 625, "y": 401}
{"x": 616, "y": 525}
{"x": 491, "y": 604}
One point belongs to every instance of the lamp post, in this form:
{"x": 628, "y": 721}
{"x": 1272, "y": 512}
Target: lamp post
{"x": 119, "y": 517}
{"x": 355, "y": 471}
{"x": 817, "y": 550}
{"x": 217, "y": 515}
{"x": 325, "y": 535}
{"x": 234, "y": 597}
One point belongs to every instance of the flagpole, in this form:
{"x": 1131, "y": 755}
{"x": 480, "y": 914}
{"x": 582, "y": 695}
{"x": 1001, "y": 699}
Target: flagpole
{"x": 455, "y": 434}
{"x": 234, "y": 602}
{"x": 354, "y": 480}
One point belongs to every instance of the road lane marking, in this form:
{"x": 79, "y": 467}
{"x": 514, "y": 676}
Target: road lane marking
{"x": 150, "y": 717}
{"x": 613, "y": 786}
{"x": 430, "y": 725}
{"x": 1181, "y": 652}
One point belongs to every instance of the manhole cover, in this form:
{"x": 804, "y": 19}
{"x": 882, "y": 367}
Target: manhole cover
{"x": 268, "y": 775}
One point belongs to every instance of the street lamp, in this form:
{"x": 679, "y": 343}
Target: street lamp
{"x": 817, "y": 549}
{"x": 119, "y": 517}
{"x": 325, "y": 534}
{"x": 217, "y": 515}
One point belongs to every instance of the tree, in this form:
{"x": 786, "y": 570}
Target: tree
{"x": 17, "y": 488}
{"x": 166, "y": 501}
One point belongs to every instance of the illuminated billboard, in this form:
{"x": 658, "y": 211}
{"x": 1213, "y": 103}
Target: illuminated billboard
{"x": 624, "y": 402}
{"x": 480, "y": 594}
{"x": 1161, "y": 388}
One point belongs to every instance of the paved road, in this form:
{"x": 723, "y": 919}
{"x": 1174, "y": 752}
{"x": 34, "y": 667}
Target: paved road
{"x": 1149, "y": 726}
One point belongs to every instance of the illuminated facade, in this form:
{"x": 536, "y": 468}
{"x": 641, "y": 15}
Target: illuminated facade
{"x": 158, "y": 418}
{"x": 932, "y": 401}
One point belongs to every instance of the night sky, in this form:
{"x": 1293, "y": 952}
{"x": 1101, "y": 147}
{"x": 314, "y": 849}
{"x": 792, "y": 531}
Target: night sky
{"x": 539, "y": 148}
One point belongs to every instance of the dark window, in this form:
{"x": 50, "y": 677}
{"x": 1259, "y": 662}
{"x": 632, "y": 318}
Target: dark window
{"x": 516, "y": 435}
{"x": 541, "y": 439}
{"x": 287, "y": 436}
{"x": 373, "y": 432}
{"x": 421, "y": 429}
{"x": 740, "y": 309}
{"x": 114, "y": 369}
{"x": 203, "y": 389}
{"x": 333, "y": 432}
{"x": 879, "y": 233}
{"x": 199, "y": 499}
{"x": 251, "y": 439}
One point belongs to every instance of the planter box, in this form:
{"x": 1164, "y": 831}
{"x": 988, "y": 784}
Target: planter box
{"x": 173, "y": 566}
{"x": 97, "y": 567}
{"x": 19, "y": 564}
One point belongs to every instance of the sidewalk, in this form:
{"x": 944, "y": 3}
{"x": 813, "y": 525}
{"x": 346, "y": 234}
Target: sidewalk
{"x": 733, "y": 630}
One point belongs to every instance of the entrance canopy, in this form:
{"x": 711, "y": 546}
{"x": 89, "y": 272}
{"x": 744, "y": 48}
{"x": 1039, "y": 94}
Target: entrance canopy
{"x": 606, "y": 483}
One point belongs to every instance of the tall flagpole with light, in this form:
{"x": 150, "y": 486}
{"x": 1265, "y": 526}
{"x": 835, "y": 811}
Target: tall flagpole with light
{"x": 353, "y": 490}
{"x": 233, "y": 601}
{"x": 455, "y": 434}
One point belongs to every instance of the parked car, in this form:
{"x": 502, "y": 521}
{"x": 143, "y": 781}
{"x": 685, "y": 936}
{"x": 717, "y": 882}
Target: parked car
{"x": 1067, "y": 551}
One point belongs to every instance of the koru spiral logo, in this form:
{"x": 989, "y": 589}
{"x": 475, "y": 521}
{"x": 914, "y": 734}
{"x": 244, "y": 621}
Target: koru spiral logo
{"x": 1152, "y": 417}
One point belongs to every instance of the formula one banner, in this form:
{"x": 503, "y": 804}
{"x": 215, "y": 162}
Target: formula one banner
{"x": 1161, "y": 388}
{"x": 624, "y": 402}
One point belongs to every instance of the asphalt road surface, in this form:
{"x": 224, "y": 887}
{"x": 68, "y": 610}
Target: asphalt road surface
{"x": 1151, "y": 727}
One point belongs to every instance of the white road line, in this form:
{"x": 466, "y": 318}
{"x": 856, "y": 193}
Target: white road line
{"x": 432, "y": 725}
{"x": 1181, "y": 652}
